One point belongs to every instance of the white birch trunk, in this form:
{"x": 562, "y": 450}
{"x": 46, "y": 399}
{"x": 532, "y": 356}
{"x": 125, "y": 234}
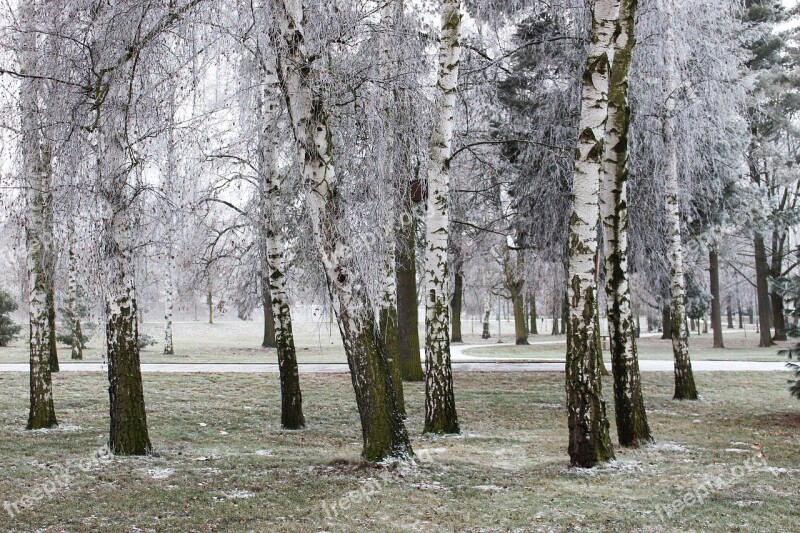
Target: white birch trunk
{"x": 129, "y": 434}
{"x": 684, "y": 378}
{"x": 440, "y": 408}
{"x": 632, "y": 426}
{"x": 269, "y": 113}
{"x": 383, "y": 429}
{"x": 76, "y": 335}
{"x": 35, "y": 169}
{"x": 169, "y": 275}
{"x": 589, "y": 441}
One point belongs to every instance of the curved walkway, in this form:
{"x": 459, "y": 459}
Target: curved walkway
{"x": 458, "y": 366}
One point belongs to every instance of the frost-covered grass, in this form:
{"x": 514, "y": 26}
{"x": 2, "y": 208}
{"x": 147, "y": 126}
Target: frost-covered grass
{"x": 223, "y": 464}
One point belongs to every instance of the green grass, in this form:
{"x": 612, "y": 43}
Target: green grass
{"x": 223, "y": 464}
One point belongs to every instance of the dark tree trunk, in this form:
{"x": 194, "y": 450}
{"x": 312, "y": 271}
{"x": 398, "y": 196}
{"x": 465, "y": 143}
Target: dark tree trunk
{"x": 269, "y": 317}
{"x": 778, "y": 320}
{"x": 390, "y": 344}
{"x": 666, "y": 323}
{"x": 778, "y": 317}
{"x": 534, "y": 329}
{"x": 128, "y": 435}
{"x": 520, "y": 329}
{"x": 383, "y": 430}
{"x": 455, "y": 306}
{"x": 51, "y": 325}
{"x": 762, "y": 289}
{"x": 730, "y": 316}
{"x": 741, "y": 317}
{"x": 407, "y": 305}
{"x": 716, "y": 311}
{"x": 564, "y": 314}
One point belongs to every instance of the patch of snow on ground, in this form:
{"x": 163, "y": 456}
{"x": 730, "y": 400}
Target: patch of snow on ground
{"x": 160, "y": 473}
{"x": 492, "y": 488}
{"x": 666, "y": 447}
{"x": 265, "y": 453}
{"x": 239, "y": 494}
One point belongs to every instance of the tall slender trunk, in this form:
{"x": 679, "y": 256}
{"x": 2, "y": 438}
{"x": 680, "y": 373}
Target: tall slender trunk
{"x": 455, "y": 305}
{"x": 210, "y": 300}
{"x": 128, "y": 420}
{"x": 383, "y": 429}
{"x": 631, "y": 417}
{"x": 684, "y": 378}
{"x": 76, "y": 335}
{"x": 666, "y": 322}
{"x": 35, "y": 170}
{"x": 169, "y": 275}
{"x": 279, "y": 318}
{"x": 440, "y": 405}
{"x": 730, "y": 314}
{"x": 589, "y": 440}
{"x": 487, "y": 309}
{"x": 776, "y": 270}
{"x": 762, "y": 290}
{"x": 534, "y": 329}
{"x": 387, "y": 306}
{"x": 716, "y": 308}
{"x": 407, "y": 305}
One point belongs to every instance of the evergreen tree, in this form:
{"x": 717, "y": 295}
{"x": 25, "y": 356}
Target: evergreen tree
{"x": 8, "y": 329}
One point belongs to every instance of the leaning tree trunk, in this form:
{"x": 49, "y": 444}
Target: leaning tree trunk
{"x": 716, "y": 307}
{"x": 762, "y": 291}
{"x": 273, "y": 273}
{"x": 631, "y": 417}
{"x": 589, "y": 440}
{"x": 407, "y": 305}
{"x": 35, "y": 170}
{"x": 383, "y": 429}
{"x": 455, "y": 306}
{"x": 440, "y": 405}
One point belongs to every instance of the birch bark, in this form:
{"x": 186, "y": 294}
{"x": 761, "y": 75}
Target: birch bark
{"x": 35, "y": 169}
{"x": 383, "y": 430}
{"x": 684, "y": 378}
{"x": 589, "y": 441}
{"x": 269, "y": 113}
{"x": 631, "y": 417}
{"x": 440, "y": 407}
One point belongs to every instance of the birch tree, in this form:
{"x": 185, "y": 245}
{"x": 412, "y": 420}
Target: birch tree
{"x": 589, "y": 441}
{"x": 383, "y": 430}
{"x": 440, "y": 407}
{"x": 36, "y": 171}
{"x": 632, "y": 426}
{"x": 685, "y": 388}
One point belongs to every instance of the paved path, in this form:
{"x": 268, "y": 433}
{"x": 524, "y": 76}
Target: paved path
{"x": 328, "y": 368}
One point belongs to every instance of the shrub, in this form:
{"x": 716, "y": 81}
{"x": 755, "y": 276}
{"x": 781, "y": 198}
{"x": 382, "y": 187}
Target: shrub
{"x": 8, "y": 329}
